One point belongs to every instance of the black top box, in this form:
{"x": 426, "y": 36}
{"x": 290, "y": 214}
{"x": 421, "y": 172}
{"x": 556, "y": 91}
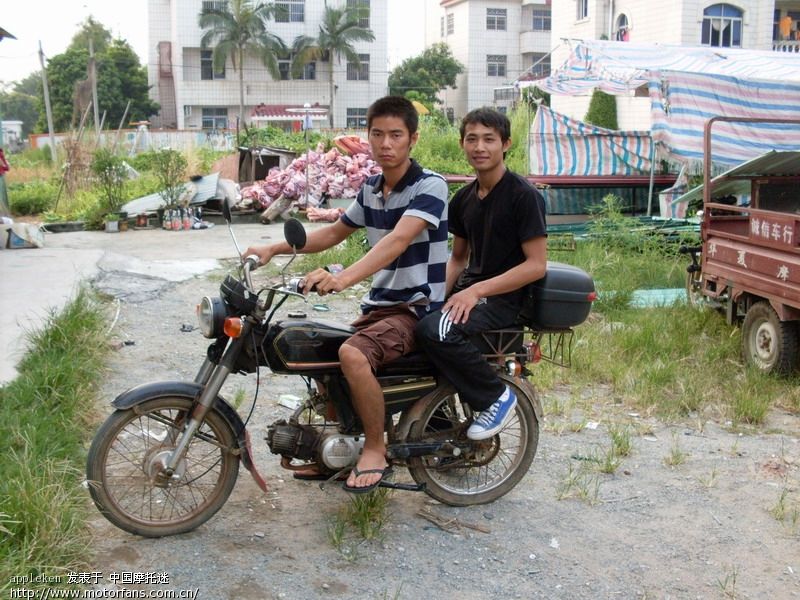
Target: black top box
{"x": 560, "y": 300}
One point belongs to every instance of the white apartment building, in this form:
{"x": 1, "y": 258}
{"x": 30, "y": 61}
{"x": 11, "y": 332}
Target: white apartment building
{"x": 747, "y": 24}
{"x": 497, "y": 41}
{"x": 193, "y": 96}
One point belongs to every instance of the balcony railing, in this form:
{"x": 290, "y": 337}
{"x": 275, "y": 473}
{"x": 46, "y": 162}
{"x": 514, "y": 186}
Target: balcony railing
{"x": 786, "y": 46}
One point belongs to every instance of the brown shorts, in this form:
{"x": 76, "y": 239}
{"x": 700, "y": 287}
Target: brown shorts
{"x": 384, "y": 334}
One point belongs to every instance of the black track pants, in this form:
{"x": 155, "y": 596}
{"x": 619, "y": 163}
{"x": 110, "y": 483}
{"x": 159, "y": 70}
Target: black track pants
{"x": 458, "y": 358}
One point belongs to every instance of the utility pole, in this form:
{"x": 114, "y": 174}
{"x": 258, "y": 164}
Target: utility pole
{"x": 48, "y": 109}
{"x": 93, "y": 75}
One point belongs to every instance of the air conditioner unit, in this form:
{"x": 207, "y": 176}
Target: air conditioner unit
{"x": 187, "y": 110}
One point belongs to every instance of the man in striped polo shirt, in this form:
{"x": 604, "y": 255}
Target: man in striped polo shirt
{"x": 404, "y": 211}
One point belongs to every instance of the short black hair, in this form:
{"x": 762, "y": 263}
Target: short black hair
{"x": 488, "y": 117}
{"x": 394, "y": 106}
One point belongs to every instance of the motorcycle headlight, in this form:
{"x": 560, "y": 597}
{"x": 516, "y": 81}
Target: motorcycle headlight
{"x": 211, "y": 313}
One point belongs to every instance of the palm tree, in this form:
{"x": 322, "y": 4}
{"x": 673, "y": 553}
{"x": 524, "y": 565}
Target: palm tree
{"x": 337, "y": 33}
{"x": 237, "y": 28}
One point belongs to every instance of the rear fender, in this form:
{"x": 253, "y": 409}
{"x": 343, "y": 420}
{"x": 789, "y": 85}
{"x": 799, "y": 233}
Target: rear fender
{"x": 191, "y": 390}
{"x": 412, "y": 415}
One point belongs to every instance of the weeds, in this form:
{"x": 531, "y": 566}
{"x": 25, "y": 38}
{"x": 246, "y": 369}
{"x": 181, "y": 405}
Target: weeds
{"x": 728, "y": 585}
{"x": 580, "y": 482}
{"x": 362, "y": 519}
{"x": 786, "y": 510}
{"x": 44, "y": 413}
{"x": 676, "y": 455}
{"x": 620, "y": 441}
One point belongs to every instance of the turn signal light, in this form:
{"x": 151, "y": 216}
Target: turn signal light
{"x": 534, "y": 352}
{"x": 233, "y": 327}
{"x": 591, "y": 296}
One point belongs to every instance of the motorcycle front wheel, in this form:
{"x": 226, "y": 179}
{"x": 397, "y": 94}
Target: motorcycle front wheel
{"x": 484, "y": 471}
{"x": 126, "y": 480}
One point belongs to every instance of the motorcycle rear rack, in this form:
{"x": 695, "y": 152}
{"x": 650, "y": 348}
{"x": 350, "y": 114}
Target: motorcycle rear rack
{"x": 554, "y": 345}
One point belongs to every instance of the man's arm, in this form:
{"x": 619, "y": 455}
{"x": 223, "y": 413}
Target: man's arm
{"x": 317, "y": 241}
{"x": 380, "y": 255}
{"x": 458, "y": 261}
{"x": 533, "y": 268}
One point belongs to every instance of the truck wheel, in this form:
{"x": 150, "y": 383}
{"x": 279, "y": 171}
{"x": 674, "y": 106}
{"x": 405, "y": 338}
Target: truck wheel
{"x": 768, "y": 343}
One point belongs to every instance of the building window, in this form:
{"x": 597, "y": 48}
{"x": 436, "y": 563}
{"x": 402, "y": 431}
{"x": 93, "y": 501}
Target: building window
{"x": 450, "y": 24}
{"x": 219, "y": 5}
{"x": 542, "y": 19}
{"x": 290, "y": 11}
{"x": 441, "y": 26}
{"x": 540, "y": 65}
{"x": 285, "y": 69}
{"x": 357, "y": 118}
{"x": 496, "y": 19}
{"x": 359, "y": 72}
{"x": 496, "y": 65}
{"x": 207, "y": 66}
{"x": 722, "y": 26}
{"x": 362, "y": 6}
{"x": 622, "y": 33}
{"x": 583, "y": 10}
{"x": 215, "y": 118}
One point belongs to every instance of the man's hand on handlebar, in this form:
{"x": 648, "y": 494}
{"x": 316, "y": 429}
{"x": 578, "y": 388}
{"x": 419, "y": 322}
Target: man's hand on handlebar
{"x": 264, "y": 254}
{"x": 323, "y": 282}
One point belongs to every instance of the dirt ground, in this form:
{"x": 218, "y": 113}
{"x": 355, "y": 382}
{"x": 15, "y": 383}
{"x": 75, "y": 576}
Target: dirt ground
{"x": 702, "y": 528}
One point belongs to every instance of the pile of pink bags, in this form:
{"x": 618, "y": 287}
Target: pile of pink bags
{"x": 331, "y": 174}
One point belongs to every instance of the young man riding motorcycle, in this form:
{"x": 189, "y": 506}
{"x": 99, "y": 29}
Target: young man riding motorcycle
{"x": 499, "y": 246}
{"x": 404, "y": 211}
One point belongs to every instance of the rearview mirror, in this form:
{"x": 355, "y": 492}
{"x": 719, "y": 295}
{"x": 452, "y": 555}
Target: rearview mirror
{"x": 294, "y": 233}
{"x": 226, "y": 210}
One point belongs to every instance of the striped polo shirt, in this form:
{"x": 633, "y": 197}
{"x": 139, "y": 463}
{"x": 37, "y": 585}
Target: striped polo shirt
{"x": 417, "y": 276}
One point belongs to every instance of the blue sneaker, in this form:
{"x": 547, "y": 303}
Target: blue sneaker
{"x": 489, "y": 422}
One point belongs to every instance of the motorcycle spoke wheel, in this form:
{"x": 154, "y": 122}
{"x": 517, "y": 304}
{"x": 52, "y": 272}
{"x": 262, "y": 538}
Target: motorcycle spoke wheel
{"x": 126, "y": 479}
{"x": 485, "y": 470}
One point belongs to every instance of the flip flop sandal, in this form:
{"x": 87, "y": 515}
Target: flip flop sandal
{"x": 386, "y": 472}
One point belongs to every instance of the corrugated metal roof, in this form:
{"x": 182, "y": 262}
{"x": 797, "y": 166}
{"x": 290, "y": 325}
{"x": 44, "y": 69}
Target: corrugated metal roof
{"x": 771, "y": 164}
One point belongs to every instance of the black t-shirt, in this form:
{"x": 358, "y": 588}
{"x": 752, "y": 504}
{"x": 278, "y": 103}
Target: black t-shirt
{"x": 495, "y": 227}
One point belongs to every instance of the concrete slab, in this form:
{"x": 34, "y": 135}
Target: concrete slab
{"x": 34, "y": 282}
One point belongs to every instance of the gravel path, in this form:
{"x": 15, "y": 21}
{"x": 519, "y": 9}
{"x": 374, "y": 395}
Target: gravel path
{"x": 700, "y": 529}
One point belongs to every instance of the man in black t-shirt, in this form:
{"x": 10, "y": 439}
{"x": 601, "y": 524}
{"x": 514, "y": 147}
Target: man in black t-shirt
{"x": 499, "y": 246}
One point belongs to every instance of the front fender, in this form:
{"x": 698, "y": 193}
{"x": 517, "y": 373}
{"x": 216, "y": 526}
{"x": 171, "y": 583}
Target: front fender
{"x": 191, "y": 390}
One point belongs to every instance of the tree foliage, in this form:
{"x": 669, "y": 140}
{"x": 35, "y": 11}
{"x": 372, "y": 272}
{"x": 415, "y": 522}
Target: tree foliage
{"x": 91, "y": 30}
{"x": 426, "y": 74}
{"x": 20, "y": 107}
{"x": 602, "y": 110}
{"x": 120, "y": 77}
{"x": 338, "y": 32}
{"x": 237, "y": 29}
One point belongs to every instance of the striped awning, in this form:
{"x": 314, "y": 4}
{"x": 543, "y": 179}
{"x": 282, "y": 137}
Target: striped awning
{"x": 689, "y": 85}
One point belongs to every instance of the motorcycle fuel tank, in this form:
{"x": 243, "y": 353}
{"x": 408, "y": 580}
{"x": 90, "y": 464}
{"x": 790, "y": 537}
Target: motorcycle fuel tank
{"x": 304, "y": 345}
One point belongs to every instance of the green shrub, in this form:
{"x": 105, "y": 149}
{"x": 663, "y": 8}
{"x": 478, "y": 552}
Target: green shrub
{"x": 110, "y": 174}
{"x": 170, "y": 171}
{"x": 602, "y": 110}
{"x": 294, "y": 141}
{"x": 32, "y": 198}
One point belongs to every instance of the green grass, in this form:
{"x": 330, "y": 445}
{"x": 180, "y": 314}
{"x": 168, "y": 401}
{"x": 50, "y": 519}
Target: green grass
{"x": 346, "y": 253}
{"x": 673, "y": 361}
{"x": 44, "y": 416}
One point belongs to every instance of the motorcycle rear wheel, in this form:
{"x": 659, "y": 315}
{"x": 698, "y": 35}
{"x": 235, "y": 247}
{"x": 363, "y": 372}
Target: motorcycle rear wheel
{"x": 495, "y": 465}
{"x": 123, "y": 468}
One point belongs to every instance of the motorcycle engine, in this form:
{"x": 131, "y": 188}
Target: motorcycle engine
{"x": 306, "y": 442}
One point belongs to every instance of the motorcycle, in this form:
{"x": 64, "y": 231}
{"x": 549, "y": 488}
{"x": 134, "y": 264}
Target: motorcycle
{"x": 166, "y": 460}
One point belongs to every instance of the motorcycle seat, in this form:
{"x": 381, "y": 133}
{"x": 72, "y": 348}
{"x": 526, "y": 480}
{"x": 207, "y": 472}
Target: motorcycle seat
{"x": 414, "y": 363}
